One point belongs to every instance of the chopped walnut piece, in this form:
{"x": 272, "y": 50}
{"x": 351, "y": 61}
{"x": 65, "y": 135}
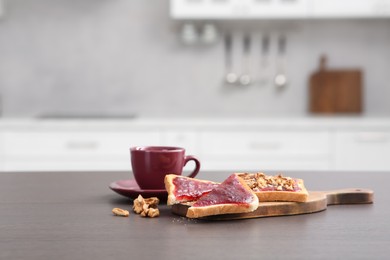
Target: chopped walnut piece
{"x": 260, "y": 181}
{"x": 120, "y": 212}
{"x": 137, "y": 204}
{"x": 146, "y": 207}
{"x": 153, "y": 212}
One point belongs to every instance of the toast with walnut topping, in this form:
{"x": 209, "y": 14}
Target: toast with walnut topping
{"x": 275, "y": 188}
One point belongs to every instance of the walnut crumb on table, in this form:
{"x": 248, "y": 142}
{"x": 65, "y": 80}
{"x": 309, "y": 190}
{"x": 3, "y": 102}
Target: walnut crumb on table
{"x": 120, "y": 212}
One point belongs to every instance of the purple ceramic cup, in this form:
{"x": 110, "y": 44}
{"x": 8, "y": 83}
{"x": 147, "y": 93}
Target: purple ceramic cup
{"x": 150, "y": 164}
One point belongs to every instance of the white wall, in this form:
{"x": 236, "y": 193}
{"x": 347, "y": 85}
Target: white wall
{"x": 122, "y": 56}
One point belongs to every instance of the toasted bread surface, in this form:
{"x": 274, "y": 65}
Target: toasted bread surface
{"x": 231, "y": 196}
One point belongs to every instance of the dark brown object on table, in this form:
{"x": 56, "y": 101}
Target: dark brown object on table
{"x": 317, "y": 201}
{"x": 335, "y": 91}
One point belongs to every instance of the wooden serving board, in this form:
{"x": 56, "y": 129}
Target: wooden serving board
{"x": 317, "y": 201}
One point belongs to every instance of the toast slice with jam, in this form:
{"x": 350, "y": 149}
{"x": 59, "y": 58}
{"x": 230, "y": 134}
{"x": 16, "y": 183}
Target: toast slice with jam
{"x": 183, "y": 189}
{"x": 231, "y": 196}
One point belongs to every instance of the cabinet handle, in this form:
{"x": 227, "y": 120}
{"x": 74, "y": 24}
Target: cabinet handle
{"x": 82, "y": 145}
{"x": 289, "y": 1}
{"x": 371, "y": 137}
{"x": 264, "y": 146}
{"x": 263, "y": 1}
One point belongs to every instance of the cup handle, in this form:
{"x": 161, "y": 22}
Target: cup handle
{"x": 197, "y": 164}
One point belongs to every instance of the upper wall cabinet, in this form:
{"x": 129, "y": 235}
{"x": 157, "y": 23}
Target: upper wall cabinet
{"x": 349, "y": 8}
{"x": 279, "y": 9}
{"x": 237, "y": 9}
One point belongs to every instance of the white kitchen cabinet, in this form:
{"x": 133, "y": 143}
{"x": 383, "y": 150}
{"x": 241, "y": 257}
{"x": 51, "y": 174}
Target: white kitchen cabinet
{"x": 182, "y": 138}
{"x": 221, "y": 144}
{"x": 238, "y": 9}
{"x": 266, "y": 150}
{"x": 199, "y": 9}
{"x": 72, "y": 150}
{"x": 278, "y": 9}
{"x": 362, "y": 150}
{"x": 349, "y": 8}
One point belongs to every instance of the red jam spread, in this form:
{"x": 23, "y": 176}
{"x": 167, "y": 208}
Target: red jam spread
{"x": 191, "y": 189}
{"x": 230, "y": 191}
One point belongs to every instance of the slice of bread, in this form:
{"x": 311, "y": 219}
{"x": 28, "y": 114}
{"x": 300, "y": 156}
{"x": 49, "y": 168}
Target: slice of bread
{"x": 231, "y": 196}
{"x": 275, "y": 188}
{"x": 183, "y": 189}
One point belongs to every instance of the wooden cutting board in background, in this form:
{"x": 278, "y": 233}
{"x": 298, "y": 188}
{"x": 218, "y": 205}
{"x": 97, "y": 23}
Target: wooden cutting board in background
{"x": 335, "y": 91}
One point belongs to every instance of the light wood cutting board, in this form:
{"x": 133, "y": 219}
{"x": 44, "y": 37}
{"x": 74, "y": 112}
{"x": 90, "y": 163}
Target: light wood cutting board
{"x": 317, "y": 201}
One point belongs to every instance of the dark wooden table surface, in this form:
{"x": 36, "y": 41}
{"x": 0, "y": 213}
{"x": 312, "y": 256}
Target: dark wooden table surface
{"x": 67, "y": 215}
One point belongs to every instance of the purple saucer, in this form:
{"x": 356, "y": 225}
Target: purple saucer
{"x": 130, "y": 189}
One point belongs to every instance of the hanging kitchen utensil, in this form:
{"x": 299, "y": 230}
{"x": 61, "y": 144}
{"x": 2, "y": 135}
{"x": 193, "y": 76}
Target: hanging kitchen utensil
{"x": 230, "y": 77}
{"x": 280, "y": 79}
{"x": 245, "y": 78}
{"x": 264, "y": 61}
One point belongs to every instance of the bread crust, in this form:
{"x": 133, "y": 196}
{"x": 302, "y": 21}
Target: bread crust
{"x": 198, "y": 212}
{"x": 226, "y": 208}
{"x": 170, "y": 187}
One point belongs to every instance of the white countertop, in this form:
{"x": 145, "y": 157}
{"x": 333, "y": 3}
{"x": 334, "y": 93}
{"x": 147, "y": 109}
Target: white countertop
{"x": 250, "y": 123}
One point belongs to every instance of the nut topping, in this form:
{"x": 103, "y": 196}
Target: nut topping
{"x": 260, "y": 181}
{"x": 146, "y": 207}
{"x": 120, "y": 212}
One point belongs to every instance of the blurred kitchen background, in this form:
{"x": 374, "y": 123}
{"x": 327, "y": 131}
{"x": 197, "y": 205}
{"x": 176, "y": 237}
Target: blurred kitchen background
{"x": 186, "y": 72}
